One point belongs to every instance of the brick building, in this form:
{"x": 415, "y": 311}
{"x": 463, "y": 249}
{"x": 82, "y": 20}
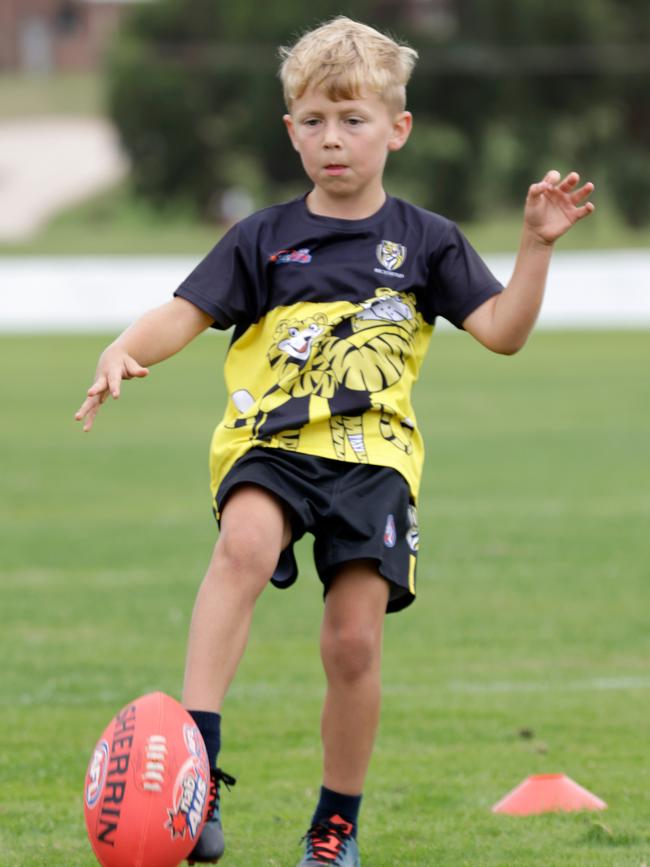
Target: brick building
{"x": 42, "y": 36}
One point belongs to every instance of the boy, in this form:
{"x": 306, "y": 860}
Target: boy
{"x": 333, "y": 298}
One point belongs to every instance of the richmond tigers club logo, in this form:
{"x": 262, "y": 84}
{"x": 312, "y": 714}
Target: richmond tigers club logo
{"x": 391, "y": 255}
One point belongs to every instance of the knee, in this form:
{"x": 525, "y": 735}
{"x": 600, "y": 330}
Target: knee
{"x": 245, "y": 552}
{"x": 350, "y": 652}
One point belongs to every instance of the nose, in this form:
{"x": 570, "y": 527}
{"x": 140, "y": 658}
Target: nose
{"x": 331, "y": 138}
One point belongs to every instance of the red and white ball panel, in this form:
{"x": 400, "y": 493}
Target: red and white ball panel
{"x": 146, "y": 791}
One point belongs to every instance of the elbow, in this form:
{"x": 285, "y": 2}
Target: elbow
{"x": 510, "y": 341}
{"x": 509, "y": 347}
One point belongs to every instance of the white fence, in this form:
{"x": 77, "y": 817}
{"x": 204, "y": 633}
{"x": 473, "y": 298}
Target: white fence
{"x": 585, "y": 290}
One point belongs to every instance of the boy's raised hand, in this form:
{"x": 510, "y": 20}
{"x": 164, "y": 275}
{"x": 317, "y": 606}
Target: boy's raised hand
{"x": 114, "y": 366}
{"x": 555, "y": 204}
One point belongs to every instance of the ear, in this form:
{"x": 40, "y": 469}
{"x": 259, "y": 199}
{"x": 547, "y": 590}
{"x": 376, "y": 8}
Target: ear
{"x": 402, "y": 126}
{"x": 288, "y": 122}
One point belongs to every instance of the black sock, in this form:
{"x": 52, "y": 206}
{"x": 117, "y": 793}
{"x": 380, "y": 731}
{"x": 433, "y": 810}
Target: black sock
{"x": 334, "y": 804}
{"x": 209, "y": 724}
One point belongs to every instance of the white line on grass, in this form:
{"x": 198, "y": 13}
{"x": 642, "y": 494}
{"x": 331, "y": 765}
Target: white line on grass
{"x": 595, "y": 684}
{"x": 56, "y": 694}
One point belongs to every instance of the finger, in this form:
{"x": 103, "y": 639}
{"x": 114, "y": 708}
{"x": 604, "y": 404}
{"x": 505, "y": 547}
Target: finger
{"x": 552, "y": 177}
{"x": 90, "y": 419}
{"x": 585, "y": 210}
{"x": 569, "y": 182}
{"x": 135, "y": 369}
{"x": 535, "y": 190}
{"x": 90, "y": 402}
{"x": 83, "y": 409}
{"x": 93, "y": 408}
{"x": 548, "y": 182}
{"x": 585, "y": 190}
{"x": 98, "y": 386}
{"x": 114, "y": 384}
{"x": 86, "y": 407}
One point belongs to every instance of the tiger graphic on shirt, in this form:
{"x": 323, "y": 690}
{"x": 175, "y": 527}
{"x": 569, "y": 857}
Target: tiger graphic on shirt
{"x": 346, "y": 361}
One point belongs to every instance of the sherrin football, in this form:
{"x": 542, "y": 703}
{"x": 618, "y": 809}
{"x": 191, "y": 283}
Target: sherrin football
{"x": 146, "y": 790}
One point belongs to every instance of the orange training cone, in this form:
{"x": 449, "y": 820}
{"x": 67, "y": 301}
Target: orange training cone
{"x": 547, "y": 793}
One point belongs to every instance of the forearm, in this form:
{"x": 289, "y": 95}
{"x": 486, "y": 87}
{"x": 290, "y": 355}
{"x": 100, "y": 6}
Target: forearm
{"x": 553, "y": 206}
{"x": 161, "y": 333}
{"x": 154, "y": 337}
{"x": 516, "y": 309}
{"x": 504, "y": 322}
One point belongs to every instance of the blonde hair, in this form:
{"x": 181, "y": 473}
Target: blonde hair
{"x": 346, "y": 59}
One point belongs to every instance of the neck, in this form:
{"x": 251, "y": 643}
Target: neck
{"x": 345, "y": 208}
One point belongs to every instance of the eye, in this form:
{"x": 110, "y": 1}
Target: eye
{"x": 355, "y": 121}
{"x": 311, "y": 122}
{"x": 293, "y": 332}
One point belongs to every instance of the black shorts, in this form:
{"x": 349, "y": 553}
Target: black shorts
{"x": 354, "y": 511}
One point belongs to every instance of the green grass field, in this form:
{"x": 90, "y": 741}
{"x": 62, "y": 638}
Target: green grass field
{"x": 532, "y": 610}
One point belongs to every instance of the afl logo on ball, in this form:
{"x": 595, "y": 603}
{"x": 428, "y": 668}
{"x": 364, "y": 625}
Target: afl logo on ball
{"x": 96, "y": 774}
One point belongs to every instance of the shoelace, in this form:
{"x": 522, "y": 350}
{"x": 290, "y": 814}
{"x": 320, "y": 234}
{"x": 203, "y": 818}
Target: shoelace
{"x": 217, "y": 776}
{"x": 327, "y": 840}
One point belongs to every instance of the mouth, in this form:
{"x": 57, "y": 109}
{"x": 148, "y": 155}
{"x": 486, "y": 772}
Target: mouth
{"x": 335, "y": 169}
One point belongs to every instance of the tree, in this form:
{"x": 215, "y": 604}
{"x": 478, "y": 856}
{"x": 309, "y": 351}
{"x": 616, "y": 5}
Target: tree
{"x": 504, "y": 89}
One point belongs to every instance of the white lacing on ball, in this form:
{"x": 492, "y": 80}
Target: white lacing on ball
{"x": 155, "y": 758}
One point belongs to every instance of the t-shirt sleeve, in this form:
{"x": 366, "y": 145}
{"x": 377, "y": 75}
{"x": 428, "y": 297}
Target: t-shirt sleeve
{"x": 459, "y": 280}
{"x": 227, "y": 284}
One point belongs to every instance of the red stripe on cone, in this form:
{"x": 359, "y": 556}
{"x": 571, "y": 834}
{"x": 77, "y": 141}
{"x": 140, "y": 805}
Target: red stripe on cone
{"x": 547, "y": 793}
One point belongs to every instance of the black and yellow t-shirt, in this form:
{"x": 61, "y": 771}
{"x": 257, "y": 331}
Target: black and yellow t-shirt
{"x": 332, "y": 319}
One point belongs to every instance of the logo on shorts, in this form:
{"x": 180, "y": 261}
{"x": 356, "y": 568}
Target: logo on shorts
{"x": 390, "y": 533}
{"x": 413, "y": 532}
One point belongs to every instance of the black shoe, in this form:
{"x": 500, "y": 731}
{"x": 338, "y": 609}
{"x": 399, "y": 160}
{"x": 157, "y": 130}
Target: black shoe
{"x": 210, "y": 845}
{"x": 330, "y": 843}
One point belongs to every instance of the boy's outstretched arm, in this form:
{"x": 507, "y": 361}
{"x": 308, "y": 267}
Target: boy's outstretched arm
{"x": 553, "y": 206}
{"x": 154, "y": 337}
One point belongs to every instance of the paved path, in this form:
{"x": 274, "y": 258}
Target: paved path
{"x": 47, "y": 163}
{"x": 608, "y": 289}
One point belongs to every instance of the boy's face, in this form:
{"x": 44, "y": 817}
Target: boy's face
{"x": 344, "y": 144}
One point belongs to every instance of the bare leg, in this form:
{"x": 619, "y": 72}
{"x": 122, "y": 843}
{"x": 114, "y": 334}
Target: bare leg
{"x": 254, "y": 530}
{"x": 351, "y": 641}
